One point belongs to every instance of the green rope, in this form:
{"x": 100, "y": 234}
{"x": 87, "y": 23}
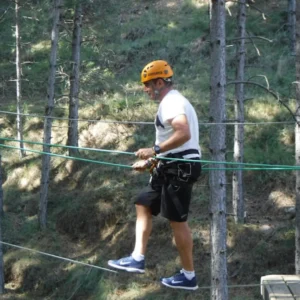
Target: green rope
{"x": 64, "y": 146}
{"x": 68, "y": 157}
{"x": 271, "y": 168}
{"x": 252, "y": 165}
{"x": 212, "y": 162}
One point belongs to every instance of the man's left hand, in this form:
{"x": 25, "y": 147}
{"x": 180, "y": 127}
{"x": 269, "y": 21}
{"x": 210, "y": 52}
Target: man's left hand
{"x": 145, "y": 153}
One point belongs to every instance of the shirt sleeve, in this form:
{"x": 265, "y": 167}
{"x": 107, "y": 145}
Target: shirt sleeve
{"x": 171, "y": 108}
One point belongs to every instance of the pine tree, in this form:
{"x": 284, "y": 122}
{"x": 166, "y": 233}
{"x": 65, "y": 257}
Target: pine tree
{"x": 48, "y": 113}
{"x": 217, "y": 178}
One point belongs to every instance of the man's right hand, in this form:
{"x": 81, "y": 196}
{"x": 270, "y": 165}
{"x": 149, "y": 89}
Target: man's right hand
{"x": 140, "y": 165}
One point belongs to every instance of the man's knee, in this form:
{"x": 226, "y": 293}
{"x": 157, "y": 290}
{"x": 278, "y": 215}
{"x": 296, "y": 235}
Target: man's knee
{"x": 143, "y": 210}
{"x": 179, "y": 226}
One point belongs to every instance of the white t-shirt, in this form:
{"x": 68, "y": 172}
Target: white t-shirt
{"x": 172, "y": 105}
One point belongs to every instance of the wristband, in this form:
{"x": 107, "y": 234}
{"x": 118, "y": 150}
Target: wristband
{"x": 156, "y": 149}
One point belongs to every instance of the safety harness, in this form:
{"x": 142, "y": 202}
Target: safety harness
{"x": 170, "y": 175}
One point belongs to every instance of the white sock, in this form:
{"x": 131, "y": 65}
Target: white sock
{"x": 137, "y": 256}
{"x": 188, "y": 274}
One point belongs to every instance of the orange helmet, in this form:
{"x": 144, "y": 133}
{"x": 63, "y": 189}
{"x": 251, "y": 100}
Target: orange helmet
{"x": 156, "y": 69}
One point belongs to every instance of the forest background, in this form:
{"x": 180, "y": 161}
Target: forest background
{"x": 90, "y": 206}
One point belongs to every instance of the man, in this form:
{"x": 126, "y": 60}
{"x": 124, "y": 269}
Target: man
{"x": 170, "y": 186}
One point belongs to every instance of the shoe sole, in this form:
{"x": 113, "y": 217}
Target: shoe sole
{"x": 180, "y": 287}
{"x": 127, "y": 269}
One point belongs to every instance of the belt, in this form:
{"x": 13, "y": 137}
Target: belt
{"x": 182, "y": 153}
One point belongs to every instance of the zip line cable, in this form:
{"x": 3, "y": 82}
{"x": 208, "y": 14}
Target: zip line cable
{"x": 266, "y": 167}
{"x": 79, "y": 120}
{"x": 58, "y": 257}
{"x": 143, "y": 122}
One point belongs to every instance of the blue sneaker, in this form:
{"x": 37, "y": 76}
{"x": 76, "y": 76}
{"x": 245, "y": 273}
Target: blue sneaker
{"x": 128, "y": 264}
{"x": 179, "y": 281}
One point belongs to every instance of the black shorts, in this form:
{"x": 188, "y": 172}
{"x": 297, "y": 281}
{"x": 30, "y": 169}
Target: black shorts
{"x": 170, "y": 189}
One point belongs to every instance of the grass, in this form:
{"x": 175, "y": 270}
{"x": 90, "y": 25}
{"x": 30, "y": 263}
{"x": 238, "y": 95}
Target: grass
{"x": 90, "y": 207}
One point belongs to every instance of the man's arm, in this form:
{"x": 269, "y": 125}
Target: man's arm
{"x": 179, "y": 137}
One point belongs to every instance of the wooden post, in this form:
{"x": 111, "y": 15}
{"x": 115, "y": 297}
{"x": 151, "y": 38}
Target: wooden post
{"x": 276, "y": 287}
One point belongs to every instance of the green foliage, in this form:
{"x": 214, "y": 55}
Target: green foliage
{"x": 91, "y": 211}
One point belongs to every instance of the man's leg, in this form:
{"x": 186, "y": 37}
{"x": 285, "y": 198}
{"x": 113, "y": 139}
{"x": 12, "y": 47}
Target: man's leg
{"x": 136, "y": 262}
{"x": 186, "y": 279}
{"x": 184, "y": 244}
{"x": 147, "y": 204}
{"x": 143, "y": 228}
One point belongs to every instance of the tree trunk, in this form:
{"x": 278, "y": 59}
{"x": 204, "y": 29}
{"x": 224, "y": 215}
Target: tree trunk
{"x": 1, "y": 252}
{"x": 297, "y": 144}
{"x": 217, "y": 178}
{"x": 74, "y": 85}
{"x": 48, "y": 114}
{"x": 292, "y": 25}
{"x": 18, "y": 81}
{"x": 237, "y": 176}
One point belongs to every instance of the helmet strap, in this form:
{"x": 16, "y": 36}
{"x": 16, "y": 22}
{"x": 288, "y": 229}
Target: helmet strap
{"x": 157, "y": 92}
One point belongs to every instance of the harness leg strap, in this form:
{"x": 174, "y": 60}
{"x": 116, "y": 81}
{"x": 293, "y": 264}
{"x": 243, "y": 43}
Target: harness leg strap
{"x": 168, "y": 190}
